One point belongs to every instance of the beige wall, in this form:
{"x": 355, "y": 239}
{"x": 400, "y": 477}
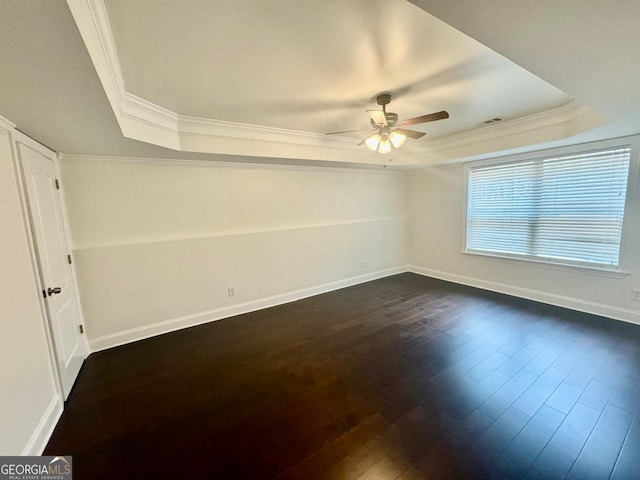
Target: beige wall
{"x": 435, "y": 199}
{"x": 28, "y": 398}
{"x": 158, "y": 241}
{"x": 156, "y": 245}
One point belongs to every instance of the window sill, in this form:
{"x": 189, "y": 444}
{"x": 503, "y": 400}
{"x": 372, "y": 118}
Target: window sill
{"x": 531, "y": 262}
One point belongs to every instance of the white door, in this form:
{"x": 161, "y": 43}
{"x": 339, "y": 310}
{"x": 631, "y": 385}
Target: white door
{"x": 55, "y": 270}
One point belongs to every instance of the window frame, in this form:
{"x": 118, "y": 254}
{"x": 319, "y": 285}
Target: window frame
{"x": 628, "y": 227}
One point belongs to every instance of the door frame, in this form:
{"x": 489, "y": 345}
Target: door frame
{"x": 17, "y": 136}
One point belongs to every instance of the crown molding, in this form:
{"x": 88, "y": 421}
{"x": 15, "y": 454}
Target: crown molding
{"x": 6, "y": 124}
{"x": 196, "y": 126}
{"x": 556, "y": 116}
{"x": 146, "y": 121}
{"x": 539, "y": 128}
{"x": 139, "y": 109}
{"x": 137, "y": 118}
{"x": 370, "y": 169}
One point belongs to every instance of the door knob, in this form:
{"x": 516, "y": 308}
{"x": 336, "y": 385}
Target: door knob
{"x": 51, "y": 291}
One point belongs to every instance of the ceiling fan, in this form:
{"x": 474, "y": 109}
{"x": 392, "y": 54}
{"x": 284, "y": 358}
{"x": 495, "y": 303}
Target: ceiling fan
{"x": 387, "y": 130}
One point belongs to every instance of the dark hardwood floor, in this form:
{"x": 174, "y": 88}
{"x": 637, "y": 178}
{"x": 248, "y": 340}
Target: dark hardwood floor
{"x": 402, "y": 378}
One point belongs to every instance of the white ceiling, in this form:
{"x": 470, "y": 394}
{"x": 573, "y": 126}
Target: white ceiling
{"x": 316, "y": 66}
{"x": 587, "y": 48}
{"x": 49, "y": 87}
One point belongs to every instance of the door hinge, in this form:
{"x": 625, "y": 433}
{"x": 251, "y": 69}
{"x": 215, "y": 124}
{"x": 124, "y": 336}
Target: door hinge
{"x": 57, "y": 184}
{"x": 81, "y": 328}
{"x": 69, "y": 259}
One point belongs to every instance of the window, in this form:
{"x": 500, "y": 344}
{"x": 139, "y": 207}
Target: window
{"x": 565, "y": 209}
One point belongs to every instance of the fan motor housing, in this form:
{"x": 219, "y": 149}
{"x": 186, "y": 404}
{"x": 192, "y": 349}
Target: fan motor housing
{"x": 392, "y": 118}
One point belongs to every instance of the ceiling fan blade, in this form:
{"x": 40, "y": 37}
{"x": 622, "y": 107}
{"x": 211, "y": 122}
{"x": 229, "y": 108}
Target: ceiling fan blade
{"x": 361, "y": 143}
{"x": 378, "y": 117}
{"x": 432, "y": 117}
{"x": 410, "y": 133}
{"x": 348, "y": 131}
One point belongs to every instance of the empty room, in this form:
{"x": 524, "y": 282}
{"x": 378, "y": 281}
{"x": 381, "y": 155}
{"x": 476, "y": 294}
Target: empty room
{"x": 349, "y": 239}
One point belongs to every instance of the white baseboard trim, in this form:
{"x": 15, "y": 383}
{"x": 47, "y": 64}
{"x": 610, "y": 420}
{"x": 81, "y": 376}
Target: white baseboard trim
{"x": 42, "y": 433}
{"x": 140, "y": 333}
{"x": 572, "y": 303}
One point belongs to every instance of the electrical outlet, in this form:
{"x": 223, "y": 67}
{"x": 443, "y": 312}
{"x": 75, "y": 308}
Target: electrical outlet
{"x": 231, "y": 291}
{"x": 635, "y": 295}
{"x": 364, "y": 264}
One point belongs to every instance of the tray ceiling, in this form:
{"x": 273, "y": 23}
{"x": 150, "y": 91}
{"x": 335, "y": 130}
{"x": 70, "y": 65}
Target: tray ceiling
{"x": 50, "y": 88}
{"x": 260, "y": 78}
{"x": 315, "y": 66}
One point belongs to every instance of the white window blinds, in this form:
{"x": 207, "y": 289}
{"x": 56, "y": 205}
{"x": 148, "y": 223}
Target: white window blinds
{"x": 565, "y": 208}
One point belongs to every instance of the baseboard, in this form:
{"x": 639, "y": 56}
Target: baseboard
{"x": 42, "y": 433}
{"x": 572, "y": 303}
{"x": 140, "y": 333}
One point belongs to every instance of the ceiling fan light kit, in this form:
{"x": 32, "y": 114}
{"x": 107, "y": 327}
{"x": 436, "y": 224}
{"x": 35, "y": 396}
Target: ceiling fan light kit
{"x": 386, "y": 141}
{"x": 385, "y": 146}
{"x": 387, "y": 133}
{"x": 373, "y": 142}
{"x": 397, "y": 138}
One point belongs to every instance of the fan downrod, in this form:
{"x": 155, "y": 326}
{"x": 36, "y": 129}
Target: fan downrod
{"x": 383, "y": 100}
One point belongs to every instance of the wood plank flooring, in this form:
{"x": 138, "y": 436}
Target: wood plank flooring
{"x": 401, "y": 378}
